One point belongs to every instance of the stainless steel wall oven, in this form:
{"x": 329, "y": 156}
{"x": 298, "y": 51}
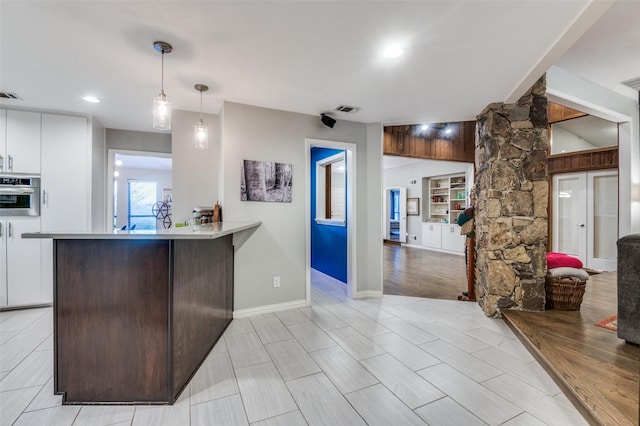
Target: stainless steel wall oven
{"x": 19, "y": 196}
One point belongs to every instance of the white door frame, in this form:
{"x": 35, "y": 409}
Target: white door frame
{"x": 350, "y": 148}
{"x": 403, "y": 212}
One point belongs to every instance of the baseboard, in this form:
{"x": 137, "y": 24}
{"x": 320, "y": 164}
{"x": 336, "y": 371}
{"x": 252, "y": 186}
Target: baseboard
{"x": 368, "y": 293}
{"x": 250, "y": 312}
{"x": 434, "y": 249}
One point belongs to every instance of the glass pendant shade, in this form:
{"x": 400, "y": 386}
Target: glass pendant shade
{"x": 162, "y": 112}
{"x": 201, "y": 135}
{"x": 162, "y": 104}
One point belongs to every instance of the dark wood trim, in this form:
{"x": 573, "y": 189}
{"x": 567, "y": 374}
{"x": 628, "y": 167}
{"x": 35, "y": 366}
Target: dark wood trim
{"x": 580, "y": 161}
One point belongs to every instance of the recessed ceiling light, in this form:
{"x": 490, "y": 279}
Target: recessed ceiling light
{"x": 118, "y": 162}
{"x": 392, "y": 51}
{"x": 424, "y": 127}
{"x": 116, "y": 173}
{"x": 91, "y": 99}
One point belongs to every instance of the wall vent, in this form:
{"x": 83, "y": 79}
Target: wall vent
{"x": 9, "y": 95}
{"x": 634, "y": 83}
{"x": 347, "y": 109}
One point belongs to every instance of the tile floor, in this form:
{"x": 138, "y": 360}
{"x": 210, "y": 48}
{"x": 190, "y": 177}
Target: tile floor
{"x": 394, "y": 360}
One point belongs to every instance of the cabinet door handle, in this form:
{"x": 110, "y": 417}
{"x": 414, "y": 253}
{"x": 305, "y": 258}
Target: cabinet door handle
{"x": 44, "y": 197}
{"x": 1, "y": 162}
{"x": 1, "y": 230}
{"x": 10, "y": 233}
{"x": 10, "y": 162}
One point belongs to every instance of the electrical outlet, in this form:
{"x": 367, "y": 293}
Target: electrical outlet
{"x": 413, "y": 237}
{"x": 276, "y": 282}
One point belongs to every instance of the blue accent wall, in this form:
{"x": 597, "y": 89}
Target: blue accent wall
{"x": 328, "y": 243}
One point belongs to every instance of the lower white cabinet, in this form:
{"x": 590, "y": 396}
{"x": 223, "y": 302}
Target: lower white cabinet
{"x": 443, "y": 236}
{"x": 20, "y": 261}
{"x": 451, "y": 238}
{"x": 432, "y": 235}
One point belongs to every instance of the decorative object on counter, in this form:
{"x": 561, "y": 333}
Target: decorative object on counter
{"x": 413, "y": 206}
{"x": 266, "y": 181}
{"x": 162, "y": 211}
{"x": 217, "y": 213}
{"x": 162, "y": 104}
{"x": 201, "y": 131}
{"x": 202, "y": 215}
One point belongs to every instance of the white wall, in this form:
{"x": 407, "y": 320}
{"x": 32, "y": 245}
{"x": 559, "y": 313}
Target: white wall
{"x": 277, "y": 247}
{"x": 196, "y": 172}
{"x": 577, "y": 93}
{"x": 137, "y": 141}
{"x": 563, "y": 140}
{"x": 400, "y": 176}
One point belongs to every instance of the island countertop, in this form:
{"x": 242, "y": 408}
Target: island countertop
{"x": 196, "y": 232}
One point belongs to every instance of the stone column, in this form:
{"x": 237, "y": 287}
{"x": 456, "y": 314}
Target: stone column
{"x": 512, "y": 198}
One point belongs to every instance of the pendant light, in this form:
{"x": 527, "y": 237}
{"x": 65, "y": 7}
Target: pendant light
{"x": 162, "y": 104}
{"x": 201, "y": 132}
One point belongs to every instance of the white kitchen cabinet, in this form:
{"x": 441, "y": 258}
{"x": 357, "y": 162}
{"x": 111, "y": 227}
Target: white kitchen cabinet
{"x": 20, "y": 142}
{"x": 451, "y": 238}
{"x": 65, "y": 182}
{"x": 20, "y": 260}
{"x": 432, "y": 235}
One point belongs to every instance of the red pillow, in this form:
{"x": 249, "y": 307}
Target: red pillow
{"x": 562, "y": 260}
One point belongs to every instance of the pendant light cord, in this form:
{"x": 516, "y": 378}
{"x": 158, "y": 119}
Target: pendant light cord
{"x": 162, "y": 74}
{"x": 200, "y": 105}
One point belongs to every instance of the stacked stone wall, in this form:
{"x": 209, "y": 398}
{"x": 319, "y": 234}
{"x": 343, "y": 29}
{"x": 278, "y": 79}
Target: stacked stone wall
{"x": 512, "y": 203}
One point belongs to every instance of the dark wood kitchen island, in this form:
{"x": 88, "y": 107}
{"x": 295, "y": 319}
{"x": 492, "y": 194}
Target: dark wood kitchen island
{"x": 137, "y": 312}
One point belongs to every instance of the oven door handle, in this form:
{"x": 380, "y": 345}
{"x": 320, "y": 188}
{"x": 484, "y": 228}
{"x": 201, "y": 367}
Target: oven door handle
{"x": 16, "y": 191}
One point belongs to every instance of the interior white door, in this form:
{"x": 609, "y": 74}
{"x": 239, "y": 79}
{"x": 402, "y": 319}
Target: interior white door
{"x": 602, "y": 209}
{"x": 570, "y": 214}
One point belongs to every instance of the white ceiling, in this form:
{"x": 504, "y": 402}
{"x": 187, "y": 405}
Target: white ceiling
{"x": 304, "y": 56}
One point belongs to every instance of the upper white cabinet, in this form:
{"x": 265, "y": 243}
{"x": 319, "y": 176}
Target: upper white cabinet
{"x": 20, "y": 133}
{"x": 65, "y": 178}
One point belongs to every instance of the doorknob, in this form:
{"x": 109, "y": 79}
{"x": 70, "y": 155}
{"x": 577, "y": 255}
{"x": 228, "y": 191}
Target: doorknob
{"x": 581, "y": 225}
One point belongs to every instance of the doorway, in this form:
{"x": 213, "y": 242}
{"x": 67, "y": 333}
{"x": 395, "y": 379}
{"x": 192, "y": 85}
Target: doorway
{"x": 331, "y": 208}
{"x": 396, "y": 214}
{"x": 136, "y": 181}
{"x": 585, "y": 217}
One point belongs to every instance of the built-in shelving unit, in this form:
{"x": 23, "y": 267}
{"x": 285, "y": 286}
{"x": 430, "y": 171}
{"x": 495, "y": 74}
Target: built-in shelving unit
{"x": 446, "y": 198}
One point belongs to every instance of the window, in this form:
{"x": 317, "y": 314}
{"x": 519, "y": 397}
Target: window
{"x": 142, "y": 196}
{"x": 331, "y": 179}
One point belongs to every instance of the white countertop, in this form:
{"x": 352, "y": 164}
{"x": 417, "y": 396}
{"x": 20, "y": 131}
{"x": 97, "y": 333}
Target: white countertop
{"x": 198, "y": 232}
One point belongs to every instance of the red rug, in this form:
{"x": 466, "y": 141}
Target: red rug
{"x": 610, "y": 323}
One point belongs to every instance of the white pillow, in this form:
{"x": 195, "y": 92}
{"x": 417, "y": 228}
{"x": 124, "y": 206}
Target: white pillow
{"x": 580, "y": 274}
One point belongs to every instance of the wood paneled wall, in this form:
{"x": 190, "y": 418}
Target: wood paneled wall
{"x": 557, "y": 112}
{"x": 433, "y": 143}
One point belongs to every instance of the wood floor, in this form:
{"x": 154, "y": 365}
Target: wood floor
{"x": 423, "y": 273}
{"x": 596, "y": 370}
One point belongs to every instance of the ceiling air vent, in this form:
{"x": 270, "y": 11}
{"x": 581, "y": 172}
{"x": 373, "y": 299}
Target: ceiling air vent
{"x": 347, "y": 109}
{"x": 9, "y": 95}
{"x": 634, "y": 83}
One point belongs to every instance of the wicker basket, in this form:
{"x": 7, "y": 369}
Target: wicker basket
{"x": 564, "y": 293}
